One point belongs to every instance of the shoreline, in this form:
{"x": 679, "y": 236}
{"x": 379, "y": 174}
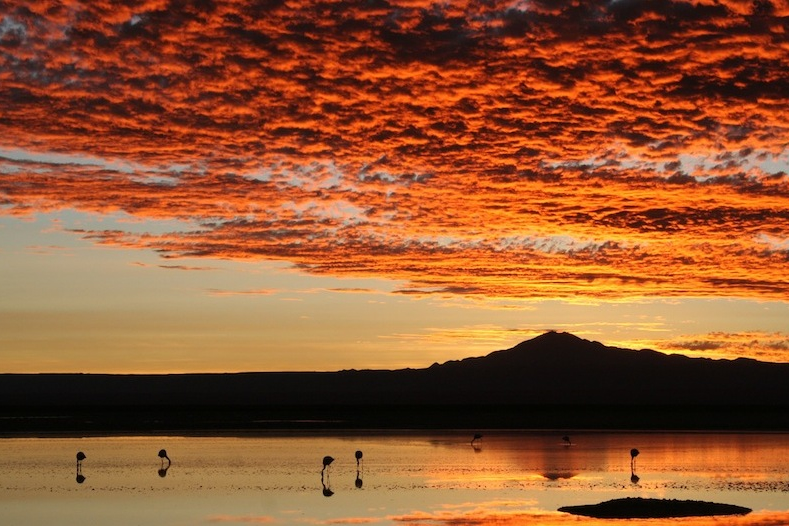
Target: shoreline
{"x": 222, "y": 420}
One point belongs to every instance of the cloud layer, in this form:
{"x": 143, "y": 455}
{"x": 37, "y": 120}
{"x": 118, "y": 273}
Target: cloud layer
{"x": 498, "y": 149}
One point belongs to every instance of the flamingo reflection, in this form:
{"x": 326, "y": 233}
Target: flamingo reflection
{"x": 327, "y": 492}
{"x": 475, "y": 444}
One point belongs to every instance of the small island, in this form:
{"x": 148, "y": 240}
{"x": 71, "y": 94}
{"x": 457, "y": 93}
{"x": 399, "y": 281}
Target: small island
{"x": 641, "y": 508}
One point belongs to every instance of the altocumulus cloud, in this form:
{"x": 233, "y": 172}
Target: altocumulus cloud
{"x": 534, "y": 149}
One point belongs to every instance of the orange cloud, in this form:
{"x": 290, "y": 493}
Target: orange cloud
{"x": 771, "y": 347}
{"x": 509, "y": 150}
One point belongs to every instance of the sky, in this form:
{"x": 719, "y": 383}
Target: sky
{"x": 284, "y": 185}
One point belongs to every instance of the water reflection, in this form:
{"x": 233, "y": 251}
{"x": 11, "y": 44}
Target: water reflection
{"x": 475, "y": 442}
{"x": 558, "y": 475}
{"x": 432, "y": 476}
{"x": 327, "y": 492}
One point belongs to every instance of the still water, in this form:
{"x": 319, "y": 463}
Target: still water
{"x": 403, "y": 478}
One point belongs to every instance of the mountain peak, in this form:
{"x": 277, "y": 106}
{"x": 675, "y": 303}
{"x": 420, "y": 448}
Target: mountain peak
{"x": 554, "y": 341}
{"x": 557, "y": 337}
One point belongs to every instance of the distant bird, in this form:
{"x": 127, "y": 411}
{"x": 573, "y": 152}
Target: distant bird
{"x": 163, "y": 470}
{"x": 477, "y": 436}
{"x": 80, "y": 457}
{"x": 358, "y": 481}
{"x": 633, "y": 477}
{"x": 567, "y": 441}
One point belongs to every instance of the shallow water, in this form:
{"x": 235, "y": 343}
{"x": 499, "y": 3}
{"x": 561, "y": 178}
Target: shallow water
{"x": 403, "y": 478}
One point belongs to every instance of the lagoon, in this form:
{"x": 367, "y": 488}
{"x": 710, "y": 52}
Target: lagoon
{"x": 404, "y": 477}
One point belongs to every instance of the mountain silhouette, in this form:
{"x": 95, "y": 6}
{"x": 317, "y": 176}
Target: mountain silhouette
{"x": 561, "y": 368}
{"x": 552, "y": 371}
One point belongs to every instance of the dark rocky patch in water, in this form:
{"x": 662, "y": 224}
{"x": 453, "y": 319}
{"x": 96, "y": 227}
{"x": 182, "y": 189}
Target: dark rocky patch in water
{"x": 641, "y": 508}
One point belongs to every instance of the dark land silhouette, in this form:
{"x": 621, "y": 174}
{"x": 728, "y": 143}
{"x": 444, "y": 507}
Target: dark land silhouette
{"x": 643, "y": 508}
{"x": 556, "y": 381}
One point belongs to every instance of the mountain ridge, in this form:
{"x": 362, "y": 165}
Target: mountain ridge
{"x": 556, "y": 380}
{"x": 555, "y": 368}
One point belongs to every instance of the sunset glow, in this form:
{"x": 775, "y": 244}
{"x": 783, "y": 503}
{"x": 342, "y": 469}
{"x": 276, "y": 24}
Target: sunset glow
{"x": 364, "y": 184}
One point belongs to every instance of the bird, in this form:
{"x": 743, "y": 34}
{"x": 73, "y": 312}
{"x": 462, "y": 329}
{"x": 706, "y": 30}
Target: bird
{"x": 477, "y": 436}
{"x": 358, "y": 480}
{"x": 567, "y": 441}
{"x": 633, "y": 477}
{"x": 163, "y": 455}
{"x": 327, "y": 460}
{"x": 80, "y": 457}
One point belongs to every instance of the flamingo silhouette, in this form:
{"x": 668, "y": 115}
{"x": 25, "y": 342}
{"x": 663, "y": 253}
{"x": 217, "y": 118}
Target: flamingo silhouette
{"x": 567, "y": 441}
{"x": 80, "y": 457}
{"x": 633, "y": 477}
{"x": 358, "y": 481}
{"x": 163, "y": 470}
{"x": 477, "y": 436}
{"x": 327, "y": 492}
{"x": 633, "y": 454}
